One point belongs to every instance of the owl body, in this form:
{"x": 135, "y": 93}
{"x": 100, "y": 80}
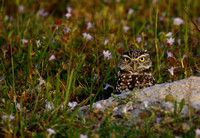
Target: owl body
{"x": 134, "y": 71}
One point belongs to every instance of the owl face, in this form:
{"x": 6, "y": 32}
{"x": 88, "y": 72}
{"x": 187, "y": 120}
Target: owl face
{"x": 134, "y": 71}
{"x": 134, "y": 61}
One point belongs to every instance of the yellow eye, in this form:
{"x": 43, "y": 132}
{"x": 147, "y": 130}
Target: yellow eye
{"x": 142, "y": 59}
{"x": 126, "y": 59}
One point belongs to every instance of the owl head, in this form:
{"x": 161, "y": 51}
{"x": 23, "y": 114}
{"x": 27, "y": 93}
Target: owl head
{"x": 134, "y": 61}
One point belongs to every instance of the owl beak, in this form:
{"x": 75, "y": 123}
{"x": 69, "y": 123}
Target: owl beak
{"x": 134, "y": 66}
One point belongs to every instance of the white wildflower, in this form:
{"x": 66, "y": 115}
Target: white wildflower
{"x": 24, "y": 41}
{"x": 11, "y": 18}
{"x": 43, "y": 13}
{"x": 68, "y": 15}
{"x": 169, "y": 54}
{"x": 184, "y": 56}
{"x": 69, "y": 9}
{"x": 178, "y": 21}
{"x": 164, "y": 14}
{"x": 6, "y": 17}
{"x": 18, "y": 106}
{"x": 106, "y": 41}
{"x": 179, "y": 41}
{"x": 170, "y": 40}
{"x": 11, "y": 117}
{"x": 162, "y": 18}
{"x": 107, "y": 54}
{"x": 139, "y": 39}
{"x": 49, "y": 105}
{"x": 171, "y": 71}
{"x": 148, "y": 26}
{"x": 169, "y": 34}
{"x": 41, "y": 81}
{"x": 4, "y": 117}
{"x": 66, "y": 30}
{"x": 87, "y": 36}
{"x": 126, "y": 28}
{"x": 145, "y": 43}
{"x": 21, "y": 8}
{"x": 130, "y": 11}
{"x": 197, "y": 132}
{"x": 38, "y": 43}
{"x": 90, "y": 25}
{"x": 61, "y": 107}
{"x": 72, "y": 104}
{"x": 51, "y": 131}
{"x": 83, "y": 136}
{"x": 52, "y": 57}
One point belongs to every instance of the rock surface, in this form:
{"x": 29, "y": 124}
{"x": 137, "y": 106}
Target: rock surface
{"x": 160, "y": 96}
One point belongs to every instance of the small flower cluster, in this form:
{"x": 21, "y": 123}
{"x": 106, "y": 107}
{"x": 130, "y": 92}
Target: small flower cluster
{"x": 49, "y": 105}
{"x": 43, "y": 13}
{"x": 68, "y": 14}
{"x": 10, "y": 117}
{"x": 87, "y": 36}
{"x": 170, "y": 41}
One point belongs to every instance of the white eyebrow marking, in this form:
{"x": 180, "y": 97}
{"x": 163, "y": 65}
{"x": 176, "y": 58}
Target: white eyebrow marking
{"x": 143, "y": 56}
{"x": 126, "y": 56}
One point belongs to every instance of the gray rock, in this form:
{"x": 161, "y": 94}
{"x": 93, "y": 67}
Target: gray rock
{"x": 135, "y": 102}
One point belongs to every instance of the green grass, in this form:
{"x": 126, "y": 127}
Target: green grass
{"x": 71, "y": 76}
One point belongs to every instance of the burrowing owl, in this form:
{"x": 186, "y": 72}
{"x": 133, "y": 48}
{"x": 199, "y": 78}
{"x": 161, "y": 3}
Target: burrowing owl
{"x": 134, "y": 71}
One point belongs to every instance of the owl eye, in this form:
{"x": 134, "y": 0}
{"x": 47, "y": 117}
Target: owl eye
{"x": 126, "y": 59}
{"x": 142, "y": 59}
